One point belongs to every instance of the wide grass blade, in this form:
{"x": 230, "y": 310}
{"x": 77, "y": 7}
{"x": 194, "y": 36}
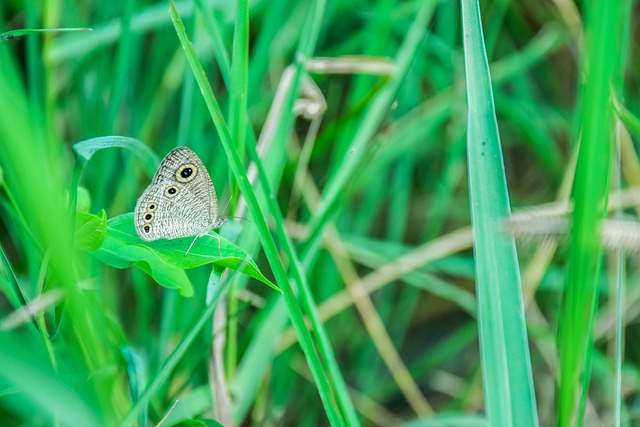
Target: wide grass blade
{"x": 506, "y": 366}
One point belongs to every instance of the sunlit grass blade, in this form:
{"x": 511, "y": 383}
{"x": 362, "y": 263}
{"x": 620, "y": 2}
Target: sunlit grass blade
{"x": 590, "y": 192}
{"x": 506, "y": 365}
{"x": 238, "y": 127}
{"x": 324, "y": 346}
{"x": 239, "y": 78}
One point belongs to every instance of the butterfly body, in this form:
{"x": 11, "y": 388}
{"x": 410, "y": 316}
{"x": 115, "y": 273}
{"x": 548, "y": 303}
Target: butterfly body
{"x": 180, "y": 201}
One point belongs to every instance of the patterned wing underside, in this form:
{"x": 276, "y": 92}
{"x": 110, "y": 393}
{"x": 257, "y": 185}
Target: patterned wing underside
{"x": 180, "y": 156}
{"x": 193, "y": 210}
{"x": 184, "y": 215}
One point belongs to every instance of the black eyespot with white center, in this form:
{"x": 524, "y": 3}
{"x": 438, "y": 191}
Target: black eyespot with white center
{"x": 186, "y": 172}
{"x": 148, "y": 217}
{"x": 171, "y": 191}
{"x": 147, "y": 228}
{"x": 152, "y": 207}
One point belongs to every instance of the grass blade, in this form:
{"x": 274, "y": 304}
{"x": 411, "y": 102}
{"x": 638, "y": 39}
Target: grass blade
{"x": 506, "y": 365}
{"x": 8, "y": 35}
{"x": 590, "y": 197}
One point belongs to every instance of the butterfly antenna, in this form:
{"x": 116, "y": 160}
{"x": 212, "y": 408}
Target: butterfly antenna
{"x": 239, "y": 217}
{"x": 236, "y": 217}
{"x": 227, "y": 205}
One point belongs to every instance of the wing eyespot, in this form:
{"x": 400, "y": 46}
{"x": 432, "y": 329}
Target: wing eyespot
{"x": 186, "y": 172}
{"x": 171, "y": 191}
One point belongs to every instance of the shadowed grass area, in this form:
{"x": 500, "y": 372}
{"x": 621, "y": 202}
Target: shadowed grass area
{"x": 372, "y": 154}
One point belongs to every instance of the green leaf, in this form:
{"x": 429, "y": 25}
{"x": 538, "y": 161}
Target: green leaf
{"x": 90, "y": 230}
{"x": 165, "y": 260}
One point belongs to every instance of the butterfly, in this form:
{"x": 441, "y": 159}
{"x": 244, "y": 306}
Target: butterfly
{"x": 179, "y": 202}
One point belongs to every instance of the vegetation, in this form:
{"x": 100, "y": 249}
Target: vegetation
{"x": 368, "y": 156}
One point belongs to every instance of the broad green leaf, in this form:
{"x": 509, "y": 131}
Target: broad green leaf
{"x": 165, "y": 260}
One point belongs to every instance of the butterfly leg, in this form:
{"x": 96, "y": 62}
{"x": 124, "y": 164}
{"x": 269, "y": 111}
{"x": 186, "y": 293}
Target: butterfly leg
{"x": 191, "y": 245}
{"x": 218, "y": 238}
{"x": 200, "y": 235}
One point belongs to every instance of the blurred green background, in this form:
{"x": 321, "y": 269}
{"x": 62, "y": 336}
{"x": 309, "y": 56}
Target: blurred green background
{"x": 359, "y": 114}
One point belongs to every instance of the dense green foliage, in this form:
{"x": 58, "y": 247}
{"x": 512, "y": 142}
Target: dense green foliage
{"x": 360, "y": 141}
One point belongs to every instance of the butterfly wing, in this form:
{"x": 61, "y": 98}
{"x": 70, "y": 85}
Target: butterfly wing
{"x": 180, "y": 201}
